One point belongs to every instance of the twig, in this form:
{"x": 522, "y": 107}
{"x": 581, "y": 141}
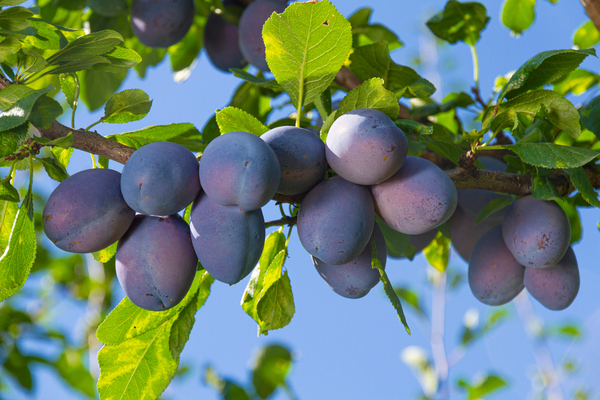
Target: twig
{"x": 592, "y": 8}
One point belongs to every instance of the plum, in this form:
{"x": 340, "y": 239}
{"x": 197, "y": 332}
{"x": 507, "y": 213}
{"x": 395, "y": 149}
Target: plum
{"x": 356, "y": 278}
{"x": 365, "y": 147}
{"x": 227, "y": 241}
{"x": 465, "y": 233}
{"x": 336, "y": 220}
{"x": 238, "y": 168}
{"x": 536, "y": 232}
{"x": 87, "y": 212}
{"x": 417, "y": 198}
{"x": 221, "y": 42}
{"x": 160, "y": 178}
{"x": 495, "y": 277}
{"x": 155, "y": 261}
{"x": 301, "y": 156}
{"x": 161, "y": 23}
{"x": 250, "y": 30}
{"x": 555, "y": 287}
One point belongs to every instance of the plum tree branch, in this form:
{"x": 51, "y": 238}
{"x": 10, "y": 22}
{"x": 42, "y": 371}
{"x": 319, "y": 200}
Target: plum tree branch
{"x": 592, "y": 8}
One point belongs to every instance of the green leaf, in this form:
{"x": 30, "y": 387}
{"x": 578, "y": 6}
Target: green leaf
{"x": 437, "y": 252}
{"x": 270, "y": 369}
{"x": 485, "y": 386}
{"x": 77, "y": 65}
{"x": 581, "y": 181}
{"x": 184, "y": 134}
{"x": 275, "y": 307}
{"x": 274, "y": 244}
{"x": 453, "y": 101}
{"x": 410, "y": 127}
{"x": 127, "y": 106}
{"x": 54, "y": 169}
{"x": 9, "y": 47}
{"x": 64, "y": 141}
{"x": 569, "y": 206}
{"x": 95, "y": 95}
{"x": 11, "y": 139}
{"x": 371, "y": 94}
{"x": 231, "y": 119}
{"x": 492, "y": 207}
{"x": 445, "y": 149}
{"x": 544, "y": 188}
{"x": 374, "y": 61}
{"x": 228, "y": 389}
{"x": 411, "y": 297}
{"x": 86, "y": 46}
{"x": 71, "y": 369}
{"x": 506, "y": 120}
{"x": 62, "y": 156}
{"x": 8, "y": 193}
{"x": 18, "y": 257}
{"x": 586, "y": 36}
{"x": 561, "y": 111}
{"x": 518, "y": 15}
{"x": 365, "y": 33}
{"x": 108, "y": 8}
{"x": 70, "y": 87}
{"x": 143, "y": 348}
{"x": 6, "y": 3}
{"x": 119, "y": 60}
{"x": 256, "y": 80}
{"x": 459, "y": 22}
{"x": 16, "y": 102}
{"x": 45, "y": 111}
{"x": 590, "y": 116}
{"x": 552, "y": 156}
{"x": 306, "y": 46}
{"x": 387, "y": 286}
{"x": 397, "y": 244}
{"x": 544, "y": 68}
{"x": 105, "y": 255}
{"x": 15, "y": 19}
{"x": 577, "y": 82}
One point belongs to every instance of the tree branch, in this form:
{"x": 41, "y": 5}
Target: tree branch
{"x": 592, "y": 8}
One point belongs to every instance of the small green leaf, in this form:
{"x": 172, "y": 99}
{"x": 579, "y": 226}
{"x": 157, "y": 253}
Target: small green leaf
{"x": 485, "y": 386}
{"x": 64, "y": 141}
{"x": 15, "y": 19}
{"x": 586, "y": 36}
{"x": 437, "y": 252}
{"x": 121, "y": 59}
{"x": 44, "y": 112}
{"x": 411, "y": 297}
{"x": 581, "y": 181}
{"x": 544, "y": 188}
{"x": 62, "y": 156}
{"x": 507, "y": 119}
{"x": 387, "y": 286}
{"x": 365, "y": 33}
{"x": 374, "y": 61}
{"x": 577, "y": 82}
{"x": 306, "y": 46}
{"x": 590, "y": 116}
{"x": 270, "y": 369}
{"x": 90, "y": 45}
{"x": 518, "y": 15}
{"x": 16, "y": 102}
{"x": 228, "y": 389}
{"x": 460, "y": 22}
{"x": 184, "y": 134}
{"x": 231, "y": 119}
{"x": 397, "y": 244}
{"x": 445, "y": 149}
{"x": 127, "y": 106}
{"x": 492, "y": 207}
{"x": 544, "y": 68}
{"x": 410, "y": 127}
{"x": 552, "y": 156}
{"x": 18, "y": 257}
{"x": 94, "y": 95}
{"x": 257, "y": 80}
{"x": 54, "y": 169}
{"x": 8, "y": 192}
{"x": 105, "y": 255}
{"x": 11, "y": 139}
{"x": 69, "y": 84}
{"x": 9, "y": 47}
{"x": 371, "y": 94}
{"x": 561, "y": 111}
{"x": 275, "y": 307}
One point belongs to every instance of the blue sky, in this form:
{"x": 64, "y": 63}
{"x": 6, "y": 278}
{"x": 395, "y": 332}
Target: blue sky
{"x": 351, "y": 349}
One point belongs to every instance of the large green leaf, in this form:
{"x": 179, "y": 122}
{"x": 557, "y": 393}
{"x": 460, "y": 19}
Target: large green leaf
{"x": 231, "y": 119}
{"x": 97, "y": 86}
{"x": 127, "y": 106}
{"x": 518, "y": 15}
{"x": 544, "y": 68}
{"x": 586, "y": 36}
{"x": 15, "y": 19}
{"x": 460, "y": 22}
{"x": 16, "y": 102}
{"x": 92, "y": 44}
{"x": 184, "y": 134}
{"x": 552, "y": 156}
{"x": 374, "y": 61}
{"x": 371, "y": 94}
{"x": 306, "y": 46}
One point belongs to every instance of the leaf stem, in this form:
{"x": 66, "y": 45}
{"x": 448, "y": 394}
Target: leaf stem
{"x": 475, "y": 66}
{"x": 94, "y": 124}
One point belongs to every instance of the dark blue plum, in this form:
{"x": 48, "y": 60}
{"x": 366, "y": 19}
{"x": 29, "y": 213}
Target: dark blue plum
{"x": 356, "y": 278}
{"x": 161, "y": 23}
{"x": 536, "y": 232}
{"x": 335, "y": 221}
{"x": 417, "y": 198}
{"x": 160, "y": 178}
{"x": 87, "y": 212}
{"x": 301, "y": 156}
{"x": 365, "y": 147}
{"x": 155, "y": 261}
{"x": 250, "y": 29}
{"x": 238, "y": 168}
{"x": 221, "y": 42}
{"x": 555, "y": 287}
{"x": 227, "y": 241}
{"x": 495, "y": 277}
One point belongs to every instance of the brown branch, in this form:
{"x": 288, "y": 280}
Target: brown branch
{"x": 592, "y": 8}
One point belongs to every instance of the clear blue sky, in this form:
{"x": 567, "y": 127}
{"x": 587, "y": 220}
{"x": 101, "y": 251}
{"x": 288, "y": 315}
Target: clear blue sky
{"x": 350, "y": 349}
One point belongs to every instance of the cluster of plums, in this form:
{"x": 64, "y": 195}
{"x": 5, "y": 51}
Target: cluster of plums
{"x": 162, "y": 23}
{"x": 239, "y": 173}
